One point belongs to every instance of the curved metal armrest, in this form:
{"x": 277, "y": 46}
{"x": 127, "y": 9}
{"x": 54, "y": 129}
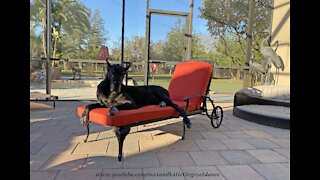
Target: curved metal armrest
{"x": 187, "y": 98}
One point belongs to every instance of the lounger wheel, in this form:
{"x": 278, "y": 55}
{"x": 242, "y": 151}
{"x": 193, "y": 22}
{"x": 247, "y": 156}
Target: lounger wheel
{"x": 88, "y": 132}
{"x": 216, "y": 117}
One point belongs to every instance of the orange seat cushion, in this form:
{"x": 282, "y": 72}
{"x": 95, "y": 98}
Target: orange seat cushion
{"x": 125, "y": 117}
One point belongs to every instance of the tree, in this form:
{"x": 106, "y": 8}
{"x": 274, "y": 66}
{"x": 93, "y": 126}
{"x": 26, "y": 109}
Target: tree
{"x": 156, "y": 50}
{"x": 95, "y": 37}
{"x": 174, "y": 44}
{"x": 68, "y": 17}
{"x": 38, "y": 18}
{"x": 134, "y": 49}
{"x": 169, "y": 50}
{"x": 228, "y": 19}
{"x": 35, "y": 44}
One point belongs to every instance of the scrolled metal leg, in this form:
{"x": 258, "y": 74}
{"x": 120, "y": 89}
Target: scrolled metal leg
{"x": 184, "y": 130}
{"x": 88, "y": 132}
{"x": 209, "y": 114}
{"x": 121, "y": 133}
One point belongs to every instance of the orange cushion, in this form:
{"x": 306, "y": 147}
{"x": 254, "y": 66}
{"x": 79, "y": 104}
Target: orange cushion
{"x": 190, "y": 78}
{"x": 125, "y": 117}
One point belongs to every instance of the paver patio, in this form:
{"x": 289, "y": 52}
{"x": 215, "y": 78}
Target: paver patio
{"x": 238, "y": 149}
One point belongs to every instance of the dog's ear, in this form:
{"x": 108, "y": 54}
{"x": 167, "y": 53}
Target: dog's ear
{"x": 108, "y": 64}
{"x": 127, "y": 66}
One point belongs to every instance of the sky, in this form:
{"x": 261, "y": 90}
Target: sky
{"x": 135, "y": 17}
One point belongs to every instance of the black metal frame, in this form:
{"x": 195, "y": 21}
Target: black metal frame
{"x": 122, "y": 131}
{"x": 52, "y": 98}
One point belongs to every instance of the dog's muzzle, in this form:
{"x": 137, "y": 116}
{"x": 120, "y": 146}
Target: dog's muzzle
{"x": 115, "y": 87}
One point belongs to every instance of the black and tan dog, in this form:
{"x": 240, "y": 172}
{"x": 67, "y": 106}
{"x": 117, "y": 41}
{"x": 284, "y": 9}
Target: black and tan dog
{"x": 111, "y": 93}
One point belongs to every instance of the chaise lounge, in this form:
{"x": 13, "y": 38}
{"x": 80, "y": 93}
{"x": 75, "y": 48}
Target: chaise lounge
{"x": 189, "y": 88}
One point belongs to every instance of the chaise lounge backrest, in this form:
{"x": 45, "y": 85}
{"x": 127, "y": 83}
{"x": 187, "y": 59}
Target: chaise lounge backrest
{"x": 190, "y": 78}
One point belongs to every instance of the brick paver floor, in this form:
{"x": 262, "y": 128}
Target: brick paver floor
{"x": 238, "y": 149}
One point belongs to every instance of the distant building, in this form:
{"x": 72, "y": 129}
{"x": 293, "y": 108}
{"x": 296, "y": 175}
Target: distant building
{"x": 104, "y": 53}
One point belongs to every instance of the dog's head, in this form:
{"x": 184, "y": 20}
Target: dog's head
{"x": 115, "y": 74}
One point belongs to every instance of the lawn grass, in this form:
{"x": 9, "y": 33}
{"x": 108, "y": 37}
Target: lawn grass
{"x": 217, "y": 85}
{"x": 226, "y": 85}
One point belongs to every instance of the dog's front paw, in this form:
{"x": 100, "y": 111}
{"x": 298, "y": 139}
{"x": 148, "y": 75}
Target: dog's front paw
{"x": 113, "y": 111}
{"x": 84, "y": 120}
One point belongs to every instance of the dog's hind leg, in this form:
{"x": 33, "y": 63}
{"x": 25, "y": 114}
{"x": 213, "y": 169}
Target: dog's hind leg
{"x": 168, "y": 101}
{"x": 88, "y": 132}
